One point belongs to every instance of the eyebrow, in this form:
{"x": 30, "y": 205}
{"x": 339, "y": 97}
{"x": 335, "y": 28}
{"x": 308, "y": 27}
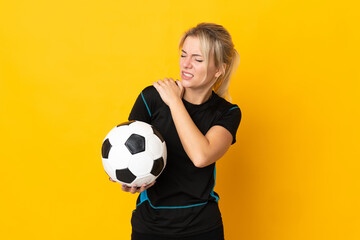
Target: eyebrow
{"x": 192, "y": 54}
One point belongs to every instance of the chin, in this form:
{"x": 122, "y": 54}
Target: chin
{"x": 185, "y": 83}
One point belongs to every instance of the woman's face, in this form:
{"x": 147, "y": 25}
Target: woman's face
{"x": 194, "y": 72}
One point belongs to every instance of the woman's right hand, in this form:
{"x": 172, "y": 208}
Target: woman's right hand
{"x": 134, "y": 189}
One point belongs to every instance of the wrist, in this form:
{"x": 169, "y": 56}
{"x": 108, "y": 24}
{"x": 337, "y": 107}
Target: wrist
{"x": 175, "y": 103}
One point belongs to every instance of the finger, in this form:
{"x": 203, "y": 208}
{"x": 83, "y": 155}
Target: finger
{"x": 143, "y": 188}
{"x": 179, "y": 83}
{"x": 156, "y": 84}
{"x": 133, "y": 189}
{"x": 124, "y": 188}
{"x": 160, "y": 82}
{"x": 159, "y": 85}
{"x": 181, "y": 87}
{"x": 169, "y": 81}
{"x": 150, "y": 185}
{"x": 173, "y": 82}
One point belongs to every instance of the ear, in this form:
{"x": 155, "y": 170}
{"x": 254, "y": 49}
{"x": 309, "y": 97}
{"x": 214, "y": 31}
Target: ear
{"x": 220, "y": 71}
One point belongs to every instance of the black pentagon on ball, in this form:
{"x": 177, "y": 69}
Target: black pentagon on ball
{"x": 125, "y": 123}
{"x": 135, "y": 144}
{"x": 105, "y": 149}
{"x": 157, "y": 167}
{"x": 157, "y": 133}
{"x": 125, "y": 175}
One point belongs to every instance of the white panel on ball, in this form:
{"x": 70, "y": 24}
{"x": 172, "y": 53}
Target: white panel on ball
{"x": 165, "y": 151}
{"x": 119, "y": 157}
{"x": 108, "y": 169}
{"x": 118, "y": 135}
{"x": 154, "y": 146}
{"x": 144, "y": 180}
{"x": 140, "y": 128}
{"x": 141, "y": 164}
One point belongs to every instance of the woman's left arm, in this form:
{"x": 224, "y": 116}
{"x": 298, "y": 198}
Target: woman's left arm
{"x": 202, "y": 150}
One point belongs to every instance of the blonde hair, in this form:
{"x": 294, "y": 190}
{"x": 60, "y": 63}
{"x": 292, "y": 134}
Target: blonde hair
{"x": 215, "y": 40}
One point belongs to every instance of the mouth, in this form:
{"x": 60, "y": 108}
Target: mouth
{"x": 186, "y": 75}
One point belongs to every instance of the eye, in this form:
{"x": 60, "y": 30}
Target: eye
{"x": 182, "y": 56}
{"x": 199, "y": 60}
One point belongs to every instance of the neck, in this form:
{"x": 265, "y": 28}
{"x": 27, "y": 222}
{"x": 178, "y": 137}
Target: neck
{"x": 197, "y": 97}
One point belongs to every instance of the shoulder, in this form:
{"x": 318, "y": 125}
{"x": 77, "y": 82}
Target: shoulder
{"x": 149, "y": 90}
{"x": 227, "y": 108}
{"x": 150, "y": 94}
{"x": 152, "y": 99}
{"x": 228, "y": 116}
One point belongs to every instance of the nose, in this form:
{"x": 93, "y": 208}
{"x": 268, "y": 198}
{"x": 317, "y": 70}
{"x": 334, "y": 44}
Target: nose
{"x": 186, "y": 62}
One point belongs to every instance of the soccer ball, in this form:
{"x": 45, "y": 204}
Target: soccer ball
{"x": 134, "y": 153}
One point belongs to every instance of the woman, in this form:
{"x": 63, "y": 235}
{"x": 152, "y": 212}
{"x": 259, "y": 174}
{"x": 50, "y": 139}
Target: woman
{"x": 199, "y": 126}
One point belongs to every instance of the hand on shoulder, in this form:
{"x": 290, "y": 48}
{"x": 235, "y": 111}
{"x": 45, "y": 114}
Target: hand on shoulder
{"x": 170, "y": 91}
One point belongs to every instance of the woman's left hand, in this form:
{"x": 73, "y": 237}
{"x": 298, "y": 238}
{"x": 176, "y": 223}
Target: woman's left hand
{"x": 170, "y": 91}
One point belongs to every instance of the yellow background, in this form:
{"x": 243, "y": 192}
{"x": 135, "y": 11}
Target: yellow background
{"x": 71, "y": 70}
